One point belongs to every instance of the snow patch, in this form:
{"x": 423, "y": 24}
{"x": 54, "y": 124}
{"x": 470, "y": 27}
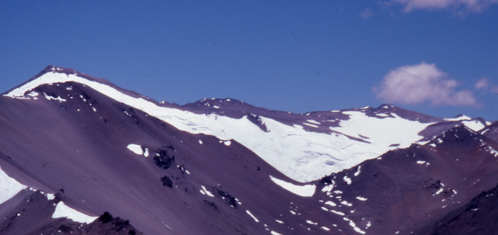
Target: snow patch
{"x": 135, "y": 148}
{"x": 360, "y": 198}
{"x": 58, "y": 98}
{"x": 356, "y": 229}
{"x": 313, "y": 121}
{"x": 459, "y": 118}
{"x": 205, "y": 191}
{"x": 346, "y": 203}
{"x": 33, "y": 94}
{"x": 8, "y": 187}
{"x": 330, "y": 203}
{"x": 254, "y": 217}
{"x": 475, "y": 125}
{"x": 357, "y": 173}
{"x": 311, "y": 222}
{"x": 63, "y": 211}
{"x": 347, "y": 180}
{"x": 438, "y": 192}
{"x": 311, "y": 125}
{"x": 328, "y": 189}
{"x": 303, "y": 191}
{"x": 381, "y": 115}
{"x": 337, "y": 212}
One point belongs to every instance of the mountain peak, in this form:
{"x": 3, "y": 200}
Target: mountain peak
{"x": 50, "y": 75}
{"x": 52, "y": 68}
{"x": 54, "y": 75}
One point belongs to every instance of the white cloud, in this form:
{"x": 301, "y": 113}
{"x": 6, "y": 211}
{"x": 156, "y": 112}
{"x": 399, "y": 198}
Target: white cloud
{"x": 420, "y": 83}
{"x": 483, "y": 83}
{"x": 367, "y": 13}
{"x": 468, "y": 5}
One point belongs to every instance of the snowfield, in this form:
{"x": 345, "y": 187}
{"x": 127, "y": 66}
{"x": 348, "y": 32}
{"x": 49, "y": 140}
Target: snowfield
{"x": 299, "y": 154}
{"x": 64, "y": 211}
{"x": 9, "y": 187}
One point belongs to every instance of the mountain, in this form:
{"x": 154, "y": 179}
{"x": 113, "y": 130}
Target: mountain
{"x": 75, "y": 151}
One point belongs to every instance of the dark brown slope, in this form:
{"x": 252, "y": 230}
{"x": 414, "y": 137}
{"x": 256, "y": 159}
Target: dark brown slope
{"x": 30, "y": 213}
{"x": 68, "y": 148}
{"x": 410, "y": 189}
{"x": 479, "y": 216}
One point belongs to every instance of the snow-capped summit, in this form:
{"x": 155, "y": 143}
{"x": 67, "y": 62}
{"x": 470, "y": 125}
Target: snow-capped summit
{"x": 303, "y": 147}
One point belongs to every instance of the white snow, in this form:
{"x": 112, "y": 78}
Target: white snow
{"x": 357, "y": 173}
{"x": 313, "y": 121}
{"x": 438, "y": 192}
{"x": 311, "y": 222}
{"x": 33, "y": 94}
{"x": 50, "y": 196}
{"x": 254, "y": 217}
{"x": 8, "y": 187}
{"x": 475, "y": 125}
{"x": 347, "y": 180}
{"x": 63, "y": 211}
{"x": 346, "y": 203}
{"x": 303, "y": 191}
{"x": 337, "y": 212}
{"x": 328, "y": 189}
{"x": 330, "y": 203}
{"x": 206, "y": 192}
{"x": 275, "y": 233}
{"x": 460, "y": 118}
{"x": 58, "y": 98}
{"x": 301, "y": 155}
{"x": 381, "y": 115}
{"x": 135, "y": 148}
{"x": 311, "y": 125}
{"x": 361, "y": 198}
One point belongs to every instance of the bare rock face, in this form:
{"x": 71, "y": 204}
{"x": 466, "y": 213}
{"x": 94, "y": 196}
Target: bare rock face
{"x": 77, "y": 154}
{"x": 479, "y": 216}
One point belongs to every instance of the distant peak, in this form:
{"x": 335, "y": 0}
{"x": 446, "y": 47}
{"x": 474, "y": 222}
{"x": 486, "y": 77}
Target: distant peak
{"x": 386, "y": 106}
{"x": 459, "y": 117}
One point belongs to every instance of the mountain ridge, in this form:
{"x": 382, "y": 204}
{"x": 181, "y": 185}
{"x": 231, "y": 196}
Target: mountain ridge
{"x": 170, "y": 170}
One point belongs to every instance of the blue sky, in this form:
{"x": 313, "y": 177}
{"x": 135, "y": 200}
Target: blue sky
{"x": 438, "y": 57}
